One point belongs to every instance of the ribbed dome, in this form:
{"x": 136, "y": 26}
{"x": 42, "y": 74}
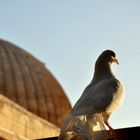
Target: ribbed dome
{"x": 26, "y": 81}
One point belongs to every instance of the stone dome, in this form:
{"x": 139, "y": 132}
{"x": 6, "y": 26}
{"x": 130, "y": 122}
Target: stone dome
{"x": 26, "y": 81}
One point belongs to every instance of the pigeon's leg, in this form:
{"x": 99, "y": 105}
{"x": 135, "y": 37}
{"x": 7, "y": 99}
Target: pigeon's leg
{"x": 106, "y": 117}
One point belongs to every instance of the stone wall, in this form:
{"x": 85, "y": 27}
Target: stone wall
{"x": 17, "y": 123}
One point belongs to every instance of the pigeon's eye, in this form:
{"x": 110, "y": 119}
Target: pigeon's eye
{"x": 112, "y": 57}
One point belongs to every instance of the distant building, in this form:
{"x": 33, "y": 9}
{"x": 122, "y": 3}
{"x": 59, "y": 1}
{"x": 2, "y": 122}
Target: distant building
{"x": 32, "y": 102}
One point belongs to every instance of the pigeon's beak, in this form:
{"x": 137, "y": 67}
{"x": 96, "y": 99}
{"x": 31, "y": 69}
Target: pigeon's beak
{"x": 116, "y": 61}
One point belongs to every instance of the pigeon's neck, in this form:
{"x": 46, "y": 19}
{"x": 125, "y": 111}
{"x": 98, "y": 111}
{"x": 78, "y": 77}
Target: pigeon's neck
{"x": 102, "y": 71}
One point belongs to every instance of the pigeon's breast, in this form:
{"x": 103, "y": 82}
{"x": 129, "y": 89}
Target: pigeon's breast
{"x": 118, "y": 98}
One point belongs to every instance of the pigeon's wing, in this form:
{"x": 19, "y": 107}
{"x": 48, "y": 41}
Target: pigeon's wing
{"x": 98, "y": 98}
{"x": 85, "y": 92}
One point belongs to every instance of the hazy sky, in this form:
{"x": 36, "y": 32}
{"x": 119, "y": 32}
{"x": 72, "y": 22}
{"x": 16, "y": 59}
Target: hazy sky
{"x": 69, "y": 35}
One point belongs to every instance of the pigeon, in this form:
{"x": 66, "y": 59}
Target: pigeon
{"x": 103, "y": 95}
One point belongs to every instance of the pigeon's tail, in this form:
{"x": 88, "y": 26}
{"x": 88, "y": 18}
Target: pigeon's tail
{"x": 72, "y": 126}
{"x": 67, "y": 132}
{"x": 63, "y": 136}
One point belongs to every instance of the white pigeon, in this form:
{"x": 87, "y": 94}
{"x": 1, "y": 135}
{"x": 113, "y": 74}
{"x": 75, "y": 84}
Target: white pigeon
{"x": 103, "y": 95}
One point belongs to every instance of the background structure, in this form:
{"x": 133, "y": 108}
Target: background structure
{"x": 68, "y": 36}
{"x": 32, "y": 102}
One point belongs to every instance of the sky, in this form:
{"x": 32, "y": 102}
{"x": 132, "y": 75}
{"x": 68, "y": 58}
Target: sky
{"x": 68, "y": 36}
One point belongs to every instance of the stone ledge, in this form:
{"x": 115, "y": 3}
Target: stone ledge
{"x": 131, "y": 133}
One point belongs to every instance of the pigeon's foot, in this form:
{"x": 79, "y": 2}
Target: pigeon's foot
{"x": 109, "y": 126}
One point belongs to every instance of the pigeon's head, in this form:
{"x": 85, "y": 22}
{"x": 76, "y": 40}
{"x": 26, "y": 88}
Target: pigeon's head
{"x": 108, "y": 56}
